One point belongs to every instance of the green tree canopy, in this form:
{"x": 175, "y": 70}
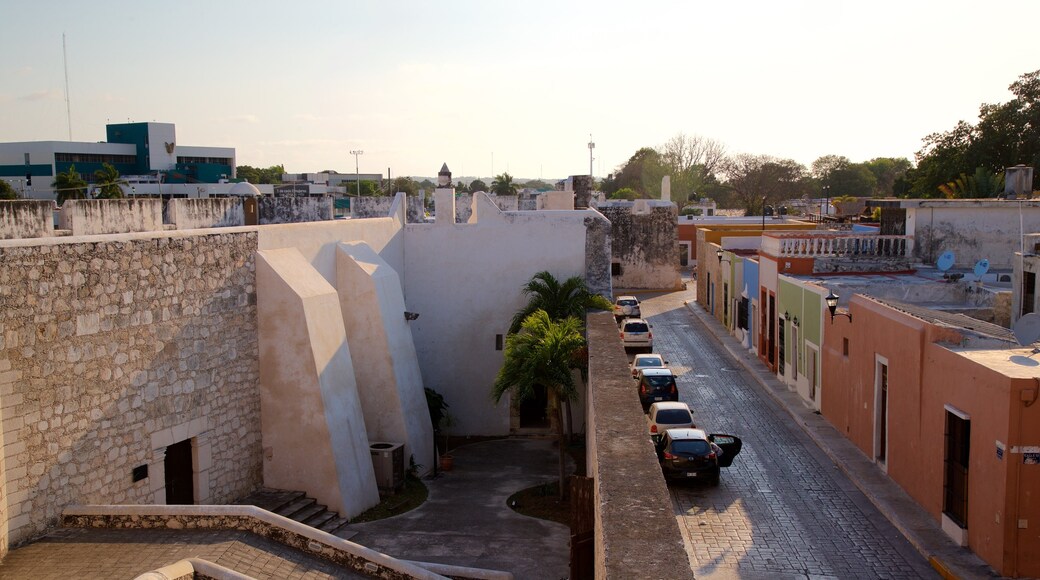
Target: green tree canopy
{"x": 6, "y": 191}
{"x": 887, "y": 171}
{"x": 541, "y": 356}
{"x": 405, "y": 184}
{"x": 560, "y": 300}
{"x": 69, "y": 184}
{"x": 503, "y": 185}
{"x": 461, "y": 187}
{"x": 1006, "y": 134}
{"x": 477, "y": 185}
{"x": 625, "y": 193}
{"x": 758, "y": 180}
{"x": 842, "y": 177}
{"x": 641, "y": 173}
{"x": 107, "y": 181}
{"x": 539, "y": 185}
{"x": 272, "y": 174}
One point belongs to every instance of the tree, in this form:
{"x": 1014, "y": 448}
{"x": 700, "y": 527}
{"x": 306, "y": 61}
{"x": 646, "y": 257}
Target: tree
{"x": 625, "y": 193}
{"x": 368, "y": 188}
{"x": 461, "y": 187}
{"x": 427, "y": 185}
{"x": 984, "y": 183}
{"x": 691, "y": 161}
{"x": 887, "y": 172}
{"x": 69, "y": 184}
{"x": 545, "y": 292}
{"x": 477, "y": 185}
{"x": 758, "y": 180}
{"x": 107, "y": 181}
{"x": 642, "y": 173}
{"x": 540, "y": 355}
{"x": 405, "y": 184}
{"x": 842, "y": 177}
{"x": 538, "y": 184}
{"x": 503, "y": 185}
{"x": 1006, "y": 134}
{"x": 6, "y": 191}
{"x": 272, "y": 174}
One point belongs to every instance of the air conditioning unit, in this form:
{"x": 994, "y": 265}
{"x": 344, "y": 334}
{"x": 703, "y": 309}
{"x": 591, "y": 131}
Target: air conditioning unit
{"x": 388, "y": 463}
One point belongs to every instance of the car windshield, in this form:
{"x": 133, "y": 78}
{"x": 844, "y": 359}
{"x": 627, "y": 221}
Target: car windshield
{"x": 626, "y": 302}
{"x": 691, "y": 447}
{"x": 658, "y": 381}
{"x": 648, "y": 362}
{"x": 636, "y": 327}
{"x": 674, "y": 416}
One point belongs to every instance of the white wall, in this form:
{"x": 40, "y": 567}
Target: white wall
{"x": 972, "y": 230}
{"x": 465, "y": 282}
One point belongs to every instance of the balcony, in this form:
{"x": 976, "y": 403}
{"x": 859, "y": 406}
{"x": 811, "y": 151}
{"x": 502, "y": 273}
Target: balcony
{"x": 842, "y": 252}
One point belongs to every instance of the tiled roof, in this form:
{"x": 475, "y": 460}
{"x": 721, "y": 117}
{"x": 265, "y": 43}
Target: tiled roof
{"x": 949, "y": 319}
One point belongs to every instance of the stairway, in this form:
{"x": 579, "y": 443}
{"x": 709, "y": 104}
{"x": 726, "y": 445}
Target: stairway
{"x": 296, "y": 506}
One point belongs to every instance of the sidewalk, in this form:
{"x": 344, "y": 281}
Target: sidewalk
{"x": 950, "y": 560}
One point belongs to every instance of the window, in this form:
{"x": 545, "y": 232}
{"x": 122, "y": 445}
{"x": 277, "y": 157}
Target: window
{"x": 955, "y": 480}
{"x": 742, "y": 314}
{"x": 845, "y": 346}
{"x": 1028, "y": 292}
{"x": 783, "y": 349}
{"x": 674, "y": 416}
{"x": 498, "y": 342}
{"x": 615, "y": 268}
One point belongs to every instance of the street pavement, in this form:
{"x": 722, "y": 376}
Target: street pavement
{"x": 783, "y": 510}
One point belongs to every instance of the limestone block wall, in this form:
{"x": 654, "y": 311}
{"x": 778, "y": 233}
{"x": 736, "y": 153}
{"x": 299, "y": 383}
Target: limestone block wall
{"x": 644, "y": 244}
{"x": 113, "y": 347}
{"x": 212, "y": 212}
{"x": 464, "y": 205}
{"x": 285, "y": 210}
{"x": 26, "y": 219}
{"x": 90, "y": 217}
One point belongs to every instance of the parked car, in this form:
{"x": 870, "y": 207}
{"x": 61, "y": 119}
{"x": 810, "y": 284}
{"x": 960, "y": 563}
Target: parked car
{"x": 656, "y": 385}
{"x": 625, "y": 307}
{"x": 636, "y": 334}
{"x": 693, "y": 454}
{"x": 668, "y": 415}
{"x": 647, "y": 361}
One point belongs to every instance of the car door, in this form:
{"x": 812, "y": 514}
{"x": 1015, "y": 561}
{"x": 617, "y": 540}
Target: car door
{"x": 730, "y": 445}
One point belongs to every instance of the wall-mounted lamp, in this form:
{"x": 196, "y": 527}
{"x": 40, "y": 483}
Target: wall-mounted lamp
{"x": 718, "y": 254}
{"x": 832, "y": 306}
{"x": 794, "y": 321}
{"x": 410, "y": 315}
{"x": 787, "y": 315}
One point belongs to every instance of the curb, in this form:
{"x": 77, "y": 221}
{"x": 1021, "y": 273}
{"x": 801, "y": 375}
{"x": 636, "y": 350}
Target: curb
{"x": 947, "y": 570}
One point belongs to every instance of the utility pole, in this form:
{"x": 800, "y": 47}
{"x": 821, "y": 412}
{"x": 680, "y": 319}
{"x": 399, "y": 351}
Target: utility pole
{"x": 591, "y": 147}
{"x": 357, "y": 174}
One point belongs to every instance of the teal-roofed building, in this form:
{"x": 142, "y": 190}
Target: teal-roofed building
{"x": 141, "y": 152}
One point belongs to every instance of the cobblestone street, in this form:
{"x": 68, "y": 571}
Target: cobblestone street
{"x": 783, "y": 510}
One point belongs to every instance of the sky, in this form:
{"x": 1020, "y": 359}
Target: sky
{"x": 490, "y": 86}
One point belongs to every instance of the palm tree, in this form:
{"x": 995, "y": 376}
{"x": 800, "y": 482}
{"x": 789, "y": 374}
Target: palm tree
{"x": 69, "y": 184}
{"x": 571, "y": 298}
{"x": 107, "y": 179}
{"x": 540, "y": 355}
{"x": 503, "y": 185}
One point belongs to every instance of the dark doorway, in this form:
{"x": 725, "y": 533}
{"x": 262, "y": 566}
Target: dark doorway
{"x": 180, "y": 489}
{"x": 955, "y": 480}
{"x": 533, "y": 410}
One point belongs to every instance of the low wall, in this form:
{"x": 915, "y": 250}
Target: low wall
{"x": 368, "y": 207}
{"x": 636, "y": 533}
{"x": 464, "y": 205}
{"x": 213, "y": 212}
{"x": 287, "y": 210}
{"x": 26, "y": 219}
{"x": 89, "y": 217}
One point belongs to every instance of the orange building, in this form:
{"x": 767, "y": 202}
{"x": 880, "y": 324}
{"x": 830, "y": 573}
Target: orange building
{"x": 947, "y": 406}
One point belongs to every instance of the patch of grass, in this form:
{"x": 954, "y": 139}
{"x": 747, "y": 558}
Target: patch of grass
{"x": 542, "y": 502}
{"x": 411, "y": 496}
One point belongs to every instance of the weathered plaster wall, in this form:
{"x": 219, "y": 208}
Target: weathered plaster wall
{"x": 89, "y": 217}
{"x": 456, "y": 282}
{"x": 26, "y": 219}
{"x": 284, "y": 210}
{"x": 385, "y": 364}
{"x": 644, "y": 241}
{"x": 464, "y": 205}
{"x": 313, "y": 427}
{"x": 110, "y": 344}
{"x": 971, "y": 231}
{"x": 370, "y": 207}
{"x": 597, "y": 255}
{"x": 212, "y": 212}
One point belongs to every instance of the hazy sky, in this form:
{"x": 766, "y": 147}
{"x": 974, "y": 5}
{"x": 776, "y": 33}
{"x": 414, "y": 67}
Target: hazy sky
{"x": 490, "y": 86}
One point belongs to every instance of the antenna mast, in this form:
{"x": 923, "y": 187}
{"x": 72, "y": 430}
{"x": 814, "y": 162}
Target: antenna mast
{"x": 65, "y": 60}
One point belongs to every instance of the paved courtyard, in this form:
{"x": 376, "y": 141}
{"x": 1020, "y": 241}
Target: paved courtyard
{"x": 783, "y": 510}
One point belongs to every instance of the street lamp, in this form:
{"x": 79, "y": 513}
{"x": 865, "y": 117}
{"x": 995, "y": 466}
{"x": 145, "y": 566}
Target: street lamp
{"x": 357, "y": 175}
{"x": 832, "y": 306}
{"x": 827, "y": 198}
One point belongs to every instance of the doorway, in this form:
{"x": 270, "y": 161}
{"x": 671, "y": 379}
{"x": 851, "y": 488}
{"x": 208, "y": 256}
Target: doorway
{"x": 180, "y": 488}
{"x": 955, "y": 477}
{"x": 811, "y": 354}
{"x": 881, "y": 412}
{"x": 532, "y": 411}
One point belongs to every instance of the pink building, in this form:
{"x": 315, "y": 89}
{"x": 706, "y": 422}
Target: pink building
{"x": 946, "y": 405}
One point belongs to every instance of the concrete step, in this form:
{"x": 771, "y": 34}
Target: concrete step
{"x": 320, "y": 518}
{"x": 308, "y": 512}
{"x": 295, "y": 507}
{"x": 334, "y": 525}
{"x": 271, "y": 499}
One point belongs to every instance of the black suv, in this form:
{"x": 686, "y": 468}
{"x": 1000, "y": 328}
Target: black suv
{"x": 693, "y": 455}
{"x": 656, "y": 385}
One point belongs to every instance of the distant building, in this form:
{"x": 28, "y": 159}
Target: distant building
{"x": 141, "y": 152}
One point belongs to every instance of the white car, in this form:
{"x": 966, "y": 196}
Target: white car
{"x": 647, "y": 361}
{"x": 626, "y": 307}
{"x": 669, "y": 415}
{"x": 635, "y": 334}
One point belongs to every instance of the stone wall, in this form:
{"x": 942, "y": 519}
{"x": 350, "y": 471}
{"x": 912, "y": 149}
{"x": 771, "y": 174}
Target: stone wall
{"x": 286, "y": 210}
{"x": 368, "y": 207}
{"x": 464, "y": 205}
{"x": 89, "y": 217}
{"x": 114, "y": 347}
{"x": 213, "y": 212}
{"x": 26, "y": 219}
{"x": 644, "y": 244}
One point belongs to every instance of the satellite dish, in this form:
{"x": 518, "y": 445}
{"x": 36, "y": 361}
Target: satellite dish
{"x": 945, "y": 261}
{"x": 1027, "y": 329}
{"x": 981, "y": 267}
